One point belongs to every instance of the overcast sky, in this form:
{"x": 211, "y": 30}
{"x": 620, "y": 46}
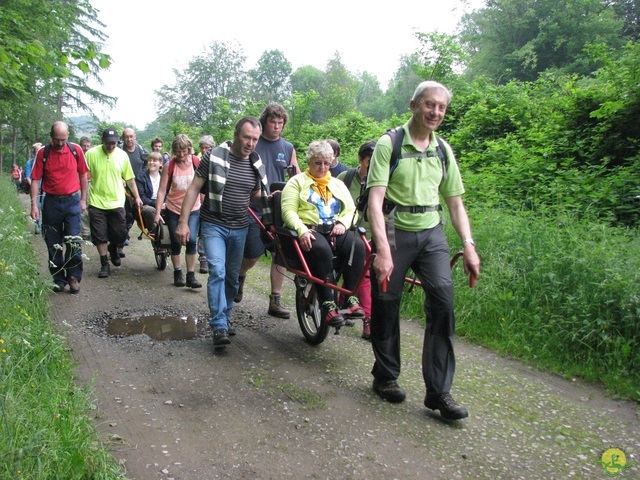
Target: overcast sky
{"x": 148, "y": 39}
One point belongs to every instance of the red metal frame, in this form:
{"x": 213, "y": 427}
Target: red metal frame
{"x": 305, "y": 272}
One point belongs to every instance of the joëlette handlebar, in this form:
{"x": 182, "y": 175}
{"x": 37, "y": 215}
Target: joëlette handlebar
{"x": 472, "y": 277}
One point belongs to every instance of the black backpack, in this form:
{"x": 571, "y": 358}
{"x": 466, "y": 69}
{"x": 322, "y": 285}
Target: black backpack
{"x": 397, "y": 137}
{"x": 47, "y": 151}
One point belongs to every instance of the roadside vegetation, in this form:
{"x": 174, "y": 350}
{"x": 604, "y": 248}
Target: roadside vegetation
{"x": 45, "y": 426}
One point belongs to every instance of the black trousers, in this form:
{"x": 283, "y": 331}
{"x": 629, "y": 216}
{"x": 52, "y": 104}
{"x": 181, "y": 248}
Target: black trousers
{"x": 320, "y": 261}
{"x": 427, "y": 254}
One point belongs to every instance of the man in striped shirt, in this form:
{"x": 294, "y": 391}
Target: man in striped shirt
{"x": 229, "y": 178}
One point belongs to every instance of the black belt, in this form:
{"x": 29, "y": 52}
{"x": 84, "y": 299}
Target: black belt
{"x": 418, "y": 208}
{"x": 324, "y": 228}
{"x": 63, "y": 196}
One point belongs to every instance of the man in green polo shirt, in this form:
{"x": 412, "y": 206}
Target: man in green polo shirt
{"x": 412, "y": 237}
{"x": 109, "y": 167}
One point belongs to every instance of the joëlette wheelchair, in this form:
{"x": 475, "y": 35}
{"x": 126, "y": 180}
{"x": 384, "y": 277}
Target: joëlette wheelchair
{"x": 159, "y": 237}
{"x": 289, "y": 255}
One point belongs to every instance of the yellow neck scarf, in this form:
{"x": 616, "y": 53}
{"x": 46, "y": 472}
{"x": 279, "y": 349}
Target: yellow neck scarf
{"x": 320, "y": 186}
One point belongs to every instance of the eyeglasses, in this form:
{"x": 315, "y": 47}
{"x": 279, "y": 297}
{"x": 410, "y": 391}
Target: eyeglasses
{"x": 319, "y": 164}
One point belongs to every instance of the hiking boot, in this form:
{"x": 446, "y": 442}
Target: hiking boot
{"x": 330, "y": 314}
{"x": 191, "y": 280}
{"x": 449, "y": 408}
{"x": 74, "y": 285}
{"x": 113, "y": 255}
{"x": 275, "y": 309}
{"x": 121, "y": 253}
{"x": 238, "y": 297}
{"x": 352, "y": 307}
{"x": 178, "y": 278}
{"x": 389, "y": 390}
{"x": 231, "y": 329}
{"x": 58, "y": 286}
{"x": 221, "y": 338}
{"x": 204, "y": 267}
{"x": 366, "y": 328}
{"x": 105, "y": 270}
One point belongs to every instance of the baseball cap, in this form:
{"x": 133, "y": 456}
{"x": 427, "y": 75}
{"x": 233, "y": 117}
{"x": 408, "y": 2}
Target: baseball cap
{"x": 109, "y": 135}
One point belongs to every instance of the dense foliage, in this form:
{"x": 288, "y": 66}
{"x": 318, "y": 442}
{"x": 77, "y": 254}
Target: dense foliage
{"x": 48, "y": 53}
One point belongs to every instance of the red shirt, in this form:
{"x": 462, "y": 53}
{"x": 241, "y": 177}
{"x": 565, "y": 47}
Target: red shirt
{"x": 61, "y": 170}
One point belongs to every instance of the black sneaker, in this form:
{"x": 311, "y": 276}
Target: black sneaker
{"x": 221, "y": 338}
{"x": 58, "y": 286}
{"x": 449, "y": 408}
{"x": 389, "y": 390}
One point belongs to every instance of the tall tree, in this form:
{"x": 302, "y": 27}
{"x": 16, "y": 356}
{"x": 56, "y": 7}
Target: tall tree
{"x": 402, "y": 85}
{"x": 218, "y": 73}
{"x": 339, "y": 91}
{"x": 308, "y": 82}
{"x": 48, "y": 51}
{"x": 270, "y": 79}
{"x": 370, "y": 98}
{"x": 441, "y": 57}
{"x": 518, "y": 39}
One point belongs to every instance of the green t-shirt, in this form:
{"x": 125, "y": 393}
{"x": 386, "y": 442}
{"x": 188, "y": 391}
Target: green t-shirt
{"x": 415, "y": 181}
{"x": 107, "y": 174}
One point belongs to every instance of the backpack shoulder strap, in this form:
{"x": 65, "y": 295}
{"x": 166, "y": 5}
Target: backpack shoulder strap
{"x": 441, "y": 150}
{"x": 348, "y": 178}
{"x": 397, "y": 137}
{"x": 46, "y": 152}
{"x": 72, "y": 147}
{"x": 170, "y": 168}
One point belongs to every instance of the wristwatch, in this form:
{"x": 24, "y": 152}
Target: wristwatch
{"x": 468, "y": 240}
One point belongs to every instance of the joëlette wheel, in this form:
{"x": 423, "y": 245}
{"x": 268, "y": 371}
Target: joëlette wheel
{"x": 308, "y": 310}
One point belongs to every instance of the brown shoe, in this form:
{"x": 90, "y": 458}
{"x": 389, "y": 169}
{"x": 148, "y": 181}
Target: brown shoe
{"x": 238, "y": 297}
{"x": 366, "y": 328}
{"x": 275, "y": 308}
{"x": 74, "y": 285}
{"x": 449, "y": 408}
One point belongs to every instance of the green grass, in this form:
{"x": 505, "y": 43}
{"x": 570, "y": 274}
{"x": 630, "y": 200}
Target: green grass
{"x": 45, "y": 431}
{"x": 559, "y": 292}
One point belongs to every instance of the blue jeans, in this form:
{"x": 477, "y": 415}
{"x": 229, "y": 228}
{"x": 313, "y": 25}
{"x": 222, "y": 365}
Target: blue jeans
{"x": 61, "y": 231}
{"x": 194, "y": 226}
{"x": 224, "y": 248}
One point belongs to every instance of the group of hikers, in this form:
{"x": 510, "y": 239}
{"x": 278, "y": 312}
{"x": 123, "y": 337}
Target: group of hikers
{"x": 204, "y": 201}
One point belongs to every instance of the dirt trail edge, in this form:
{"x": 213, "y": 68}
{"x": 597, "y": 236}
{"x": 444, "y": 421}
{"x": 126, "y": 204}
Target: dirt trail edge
{"x": 270, "y": 406}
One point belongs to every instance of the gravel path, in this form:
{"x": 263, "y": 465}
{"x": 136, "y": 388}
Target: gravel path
{"x": 270, "y": 406}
